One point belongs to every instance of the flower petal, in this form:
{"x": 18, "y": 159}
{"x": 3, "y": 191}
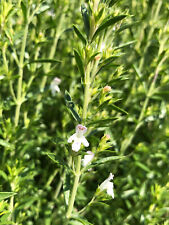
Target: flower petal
{"x": 76, "y": 146}
{"x": 71, "y": 138}
{"x": 110, "y": 189}
{"x": 57, "y": 88}
{"x": 84, "y": 142}
{"x": 87, "y": 158}
{"x": 110, "y": 177}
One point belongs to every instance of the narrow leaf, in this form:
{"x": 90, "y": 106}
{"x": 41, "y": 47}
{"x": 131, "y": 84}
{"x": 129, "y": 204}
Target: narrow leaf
{"x": 24, "y": 10}
{"x": 4, "y": 195}
{"x": 108, "y": 23}
{"x": 85, "y": 15}
{"x": 67, "y": 96}
{"x": 142, "y": 166}
{"x": 71, "y": 106}
{"x": 118, "y": 109}
{"x": 79, "y": 62}
{"x": 66, "y": 187}
{"x": 108, "y": 60}
{"x": 125, "y": 44}
{"x": 102, "y": 123}
{"x": 82, "y": 221}
{"x": 79, "y": 34}
{"x": 103, "y": 160}
{"x": 109, "y": 104}
{"x": 107, "y": 159}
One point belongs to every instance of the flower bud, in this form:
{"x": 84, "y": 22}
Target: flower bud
{"x": 106, "y": 89}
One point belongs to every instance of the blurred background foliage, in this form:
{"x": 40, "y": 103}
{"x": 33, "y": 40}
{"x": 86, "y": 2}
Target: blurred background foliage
{"x": 139, "y": 80}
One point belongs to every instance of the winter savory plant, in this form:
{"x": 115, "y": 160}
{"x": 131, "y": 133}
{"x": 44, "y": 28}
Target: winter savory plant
{"x": 84, "y": 85}
{"x": 94, "y": 52}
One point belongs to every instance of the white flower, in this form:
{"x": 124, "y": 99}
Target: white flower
{"x": 78, "y": 138}
{"x": 108, "y": 186}
{"x": 54, "y": 85}
{"x": 87, "y": 158}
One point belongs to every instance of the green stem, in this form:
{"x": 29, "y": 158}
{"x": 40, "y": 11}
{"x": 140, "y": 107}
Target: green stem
{"x": 75, "y": 186}
{"x": 11, "y": 205}
{"x": 86, "y": 92}
{"x": 83, "y": 210}
{"x": 78, "y": 162}
{"x": 21, "y": 65}
{"x": 58, "y": 188}
{"x": 11, "y": 218}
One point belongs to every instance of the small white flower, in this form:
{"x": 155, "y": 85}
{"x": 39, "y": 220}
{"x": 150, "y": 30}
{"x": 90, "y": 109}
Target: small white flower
{"x": 78, "y": 138}
{"x": 87, "y": 158}
{"x": 108, "y": 186}
{"x": 54, "y": 85}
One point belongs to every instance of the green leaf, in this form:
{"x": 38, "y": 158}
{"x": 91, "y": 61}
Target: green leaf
{"x": 67, "y": 96}
{"x": 142, "y": 166}
{"x": 4, "y": 195}
{"x": 4, "y": 175}
{"x": 111, "y": 105}
{"x": 118, "y": 109}
{"x": 83, "y": 221}
{"x": 107, "y": 61}
{"x": 102, "y": 123}
{"x": 102, "y": 204}
{"x": 79, "y": 62}
{"x": 99, "y": 14}
{"x": 71, "y": 106}
{"x": 86, "y": 21}
{"x": 79, "y": 34}
{"x": 103, "y": 161}
{"x": 108, "y": 23}
{"x": 43, "y": 8}
{"x": 66, "y": 187}
{"x": 125, "y": 44}
{"x": 24, "y": 11}
{"x": 108, "y": 159}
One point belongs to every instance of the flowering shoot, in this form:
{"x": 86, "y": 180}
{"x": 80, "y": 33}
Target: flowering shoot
{"x": 78, "y": 138}
{"x": 108, "y": 186}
